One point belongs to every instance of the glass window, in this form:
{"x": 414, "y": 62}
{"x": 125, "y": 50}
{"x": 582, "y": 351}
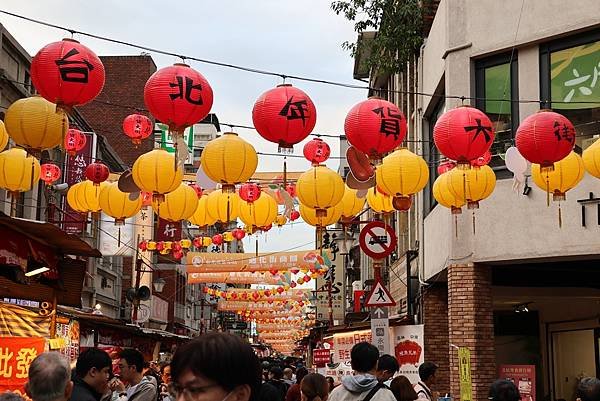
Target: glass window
{"x": 432, "y": 156}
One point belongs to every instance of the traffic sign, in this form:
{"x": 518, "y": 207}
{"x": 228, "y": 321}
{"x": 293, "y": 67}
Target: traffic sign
{"x": 380, "y": 329}
{"x": 379, "y": 296}
{"x": 377, "y": 240}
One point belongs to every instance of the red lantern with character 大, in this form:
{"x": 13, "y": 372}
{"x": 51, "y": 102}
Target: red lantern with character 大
{"x": 284, "y": 115}
{"x": 463, "y": 134}
{"x": 49, "y": 173}
{"x": 138, "y": 127}
{"x": 97, "y": 172}
{"x": 316, "y": 151}
{"x": 75, "y": 140}
{"x": 375, "y": 127}
{"x": 67, "y": 73}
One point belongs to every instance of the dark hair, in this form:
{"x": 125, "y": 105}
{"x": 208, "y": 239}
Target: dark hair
{"x": 221, "y": 357}
{"x": 314, "y": 386}
{"x": 588, "y": 389}
{"x": 133, "y": 357}
{"x": 163, "y": 366}
{"x": 388, "y": 363}
{"x": 402, "y": 389}
{"x": 92, "y": 358}
{"x": 426, "y": 370}
{"x": 363, "y": 357}
{"x": 504, "y": 390}
{"x": 300, "y": 373}
{"x": 10, "y": 396}
{"x": 276, "y": 372}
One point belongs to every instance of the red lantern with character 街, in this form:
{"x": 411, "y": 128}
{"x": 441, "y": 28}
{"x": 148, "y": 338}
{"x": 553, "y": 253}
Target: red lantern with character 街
{"x": 49, "y": 173}
{"x": 249, "y": 192}
{"x": 138, "y": 127}
{"x": 375, "y": 127}
{"x": 75, "y": 140}
{"x": 97, "y": 172}
{"x": 284, "y": 115}
{"x": 67, "y": 73}
{"x": 545, "y": 137}
{"x": 463, "y": 134}
{"x": 316, "y": 151}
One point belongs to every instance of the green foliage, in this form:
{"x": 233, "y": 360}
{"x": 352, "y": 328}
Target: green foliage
{"x": 399, "y": 26}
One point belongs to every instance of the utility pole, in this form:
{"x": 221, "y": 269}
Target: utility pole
{"x": 138, "y": 273}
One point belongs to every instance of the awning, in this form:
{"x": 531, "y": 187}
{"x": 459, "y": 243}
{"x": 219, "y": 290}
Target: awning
{"x": 16, "y": 321}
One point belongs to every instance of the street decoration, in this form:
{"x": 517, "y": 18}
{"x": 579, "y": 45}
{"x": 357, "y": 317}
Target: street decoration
{"x": 400, "y": 175}
{"x": 49, "y": 173}
{"x": 85, "y": 197}
{"x": 445, "y": 166}
{"x": 292, "y": 261}
{"x": 3, "y": 136}
{"x": 482, "y": 160}
{"x": 280, "y": 220}
{"x": 284, "y": 115}
{"x": 591, "y": 159}
{"x": 234, "y": 278}
{"x": 229, "y": 160}
{"x": 67, "y": 73}
{"x": 316, "y": 151}
{"x": 97, "y": 172}
{"x": 472, "y": 186}
{"x": 259, "y": 213}
{"x": 75, "y": 141}
{"x": 153, "y": 172}
{"x": 545, "y": 138}
{"x": 223, "y": 207}
{"x": 118, "y": 204}
{"x": 377, "y": 240}
{"x": 310, "y": 216}
{"x": 19, "y": 172}
{"x": 200, "y": 217}
{"x": 178, "y": 205}
{"x": 249, "y": 192}
{"x": 72, "y": 199}
{"x": 375, "y": 127}
{"x": 320, "y": 188}
{"x": 196, "y": 189}
{"x": 36, "y": 124}
{"x": 444, "y": 195}
{"x": 351, "y": 204}
{"x": 463, "y": 134}
{"x": 294, "y": 215}
{"x": 137, "y": 127}
{"x": 379, "y": 202}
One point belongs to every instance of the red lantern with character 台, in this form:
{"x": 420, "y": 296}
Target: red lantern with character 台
{"x": 375, "y": 127}
{"x": 545, "y": 137}
{"x": 49, "y": 173}
{"x": 316, "y": 151}
{"x": 97, "y": 172}
{"x": 75, "y": 140}
{"x": 137, "y": 127}
{"x": 249, "y": 192}
{"x": 284, "y": 115}
{"x": 463, "y": 134}
{"x": 67, "y": 73}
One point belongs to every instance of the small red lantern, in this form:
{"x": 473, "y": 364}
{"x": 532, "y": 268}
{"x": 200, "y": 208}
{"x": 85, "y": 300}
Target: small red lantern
{"x": 295, "y": 215}
{"x": 137, "y": 127}
{"x": 49, "y": 173}
{"x": 178, "y": 96}
{"x": 375, "y": 127}
{"x": 177, "y": 254}
{"x": 463, "y": 134}
{"x": 146, "y": 198}
{"x": 234, "y": 295}
{"x": 306, "y": 279}
{"x": 482, "y": 160}
{"x": 97, "y": 172}
{"x": 160, "y": 246}
{"x": 197, "y": 242}
{"x": 67, "y": 73}
{"x": 280, "y": 290}
{"x": 74, "y": 141}
{"x": 176, "y": 246}
{"x": 197, "y": 189}
{"x": 284, "y": 115}
{"x": 545, "y": 137}
{"x": 293, "y": 284}
{"x": 143, "y": 246}
{"x": 249, "y": 192}
{"x": 217, "y": 239}
{"x": 238, "y": 234}
{"x": 316, "y": 151}
{"x": 291, "y": 190}
{"x": 445, "y": 166}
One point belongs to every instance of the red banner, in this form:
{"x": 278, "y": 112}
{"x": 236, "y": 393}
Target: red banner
{"x": 74, "y": 223}
{"x": 523, "y": 376}
{"x": 168, "y": 231}
{"x": 321, "y": 357}
{"x": 16, "y": 354}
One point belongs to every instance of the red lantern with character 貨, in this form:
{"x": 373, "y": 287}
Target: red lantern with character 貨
{"x": 137, "y": 127}
{"x": 67, "y": 73}
{"x": 97, "y": 172}
{"x": 75, "y": 140}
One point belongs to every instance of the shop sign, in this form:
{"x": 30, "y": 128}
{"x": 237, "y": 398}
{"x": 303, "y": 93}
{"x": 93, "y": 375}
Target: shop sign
{"x": 321, "y": 357}
{"x": 464, "y": 368}
{"x": 160, "y": 310}
{"x": 343, "y": 343}
{"x": 408, "y": 348}
{"x": 523, "y": 376}
{"x": 16, "y": 354}
{"x": 69, "y": 335}
{"x": 74, "y": 222}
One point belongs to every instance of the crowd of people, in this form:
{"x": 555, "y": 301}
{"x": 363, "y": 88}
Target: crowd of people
{"x": 222, "y": 367}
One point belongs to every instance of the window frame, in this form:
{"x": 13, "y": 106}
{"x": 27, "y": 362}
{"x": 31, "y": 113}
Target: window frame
{"x": 429, "y": 201}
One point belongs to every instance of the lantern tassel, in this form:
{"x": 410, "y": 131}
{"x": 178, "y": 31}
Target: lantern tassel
{"x": 547, "y": 190}
{"x": 455, "y": 226}
{"x": 285, "y": 173}
{"x": 559, "y": 216}
{"x": 256, "y": 244}
{"x": 119, "y": 238}
{"x": 473, "y": 221}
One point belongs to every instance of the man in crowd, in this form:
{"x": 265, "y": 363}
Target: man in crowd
{"x": 363, "y": 385}
{"x": 92, "y": 372}
{"x": 588, "y": 389}
{"x": 427, "y": 375}
{"x": 387, "y": 367}
{"x": 139, "y": 387}
{"x": 274, "y": 389}
{"x": 49, "y": 378}
{"x": 288, "y": 376}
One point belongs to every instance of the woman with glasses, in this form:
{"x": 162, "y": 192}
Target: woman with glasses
{"x": 215, "y": 367}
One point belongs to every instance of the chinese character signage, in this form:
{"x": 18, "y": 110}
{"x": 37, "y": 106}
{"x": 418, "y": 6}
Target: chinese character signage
{"x": 523, "y": 376}
{"x": 343, "y": 343}
{"x": 74, "y": 223}
{"x": 198, "y": 262}
{"x": 16, "y": 354}
{"x": 408, "y": 348}
{"x": 321, "y": 357}
{"x": 168, "y": 231}
{"x": 338, "y": 293}
{"x": 68, "y": 333}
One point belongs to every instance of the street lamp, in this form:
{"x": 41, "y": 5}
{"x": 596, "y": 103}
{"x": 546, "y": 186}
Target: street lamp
{"x": 158, "y": 284}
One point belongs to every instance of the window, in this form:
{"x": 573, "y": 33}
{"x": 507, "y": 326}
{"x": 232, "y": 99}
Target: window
{"x": 496, "y": 83}
{"x": 432, "y": 155}
{"x": 570, "y": 83}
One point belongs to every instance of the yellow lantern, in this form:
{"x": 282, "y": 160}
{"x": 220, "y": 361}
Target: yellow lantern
{"x": 228, "y": 236}
{"x": 309, "y": 215}
{"x": 320, "y": 188}
{"x": 87, "y": 195}
{"x": 444, "y": 195}
{"x": 566, "y": 175}
{"x": 378, "y": 202}
{"x": 201, "y": 217}
{"x": 154, "y": 172}
{"x": 118, "y": 204}
{"x": 179, "y": 204}
{"x": 72, "y": 199}
{"x": 3, "y": 136}
{"x": 479, "y": 183}
{"x": 229, "y": 160}
{"x": 351, "y": 203}
{"x": 591, "y": 159}
{"x": 259, "y": 213}
{"x": 280, "y": 220}
{"x": 18, "y": 171}
{"x": 223, "y": 206}
{"x": 401, "y": 174}
{"x": 36, "y": 123}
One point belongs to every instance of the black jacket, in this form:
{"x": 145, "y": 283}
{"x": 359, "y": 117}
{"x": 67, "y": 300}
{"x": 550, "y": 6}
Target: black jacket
{"x": 273, "y": 390}
{"x": 83, "y": 391}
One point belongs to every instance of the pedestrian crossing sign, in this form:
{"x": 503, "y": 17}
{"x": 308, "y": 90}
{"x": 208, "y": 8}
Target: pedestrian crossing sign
{"x": 379, "y": 296}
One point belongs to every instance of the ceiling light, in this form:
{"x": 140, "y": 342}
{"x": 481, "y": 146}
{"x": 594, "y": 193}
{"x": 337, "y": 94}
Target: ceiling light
{"x": 37, "y": 271}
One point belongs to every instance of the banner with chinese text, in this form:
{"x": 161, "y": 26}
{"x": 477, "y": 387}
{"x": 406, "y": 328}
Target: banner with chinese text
{"x": 74, "y": 222}
{"x": 343, "y": 343}
{"x": 523, "y": 376}
{"x": 338, "y": 293}
{"x": 408, "y": 345}
{"x": 16, "y": 354}
{"x": 204, "y": 262}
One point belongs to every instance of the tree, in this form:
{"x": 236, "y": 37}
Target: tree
{"x": 399, "y": 26}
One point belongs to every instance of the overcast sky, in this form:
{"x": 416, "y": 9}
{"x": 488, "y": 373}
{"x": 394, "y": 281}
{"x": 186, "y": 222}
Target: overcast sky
{"x": 295, "y": 38}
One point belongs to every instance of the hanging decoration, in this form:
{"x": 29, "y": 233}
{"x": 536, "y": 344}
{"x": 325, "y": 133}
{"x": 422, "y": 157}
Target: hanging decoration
{"x": 201, "y": 218}
{"x": 445, "y": 166}
{"x": 379, "y": 202}
{"x": 311, "y": 217}
{"x": 280, "y": 220}
{"x": 49, "y": 173}
{"x": 97, "y": 172}
{"x": 86, "y": 196}
{"x": 444, "y": 195}
{"x": 117, "y": 204}
{"x": 3, "y": 136}
{"x": 320, "y": 188}
{"x": 67, "y": 73}
{"x": 567, "y": 173}
{"x": 222, "y": 206}
{"x": 19, "y": 172}
{"x": 153, "y": 172}
{"x": 352, "y": 205}
{"x": 75, "y": 140}
{"x": 400, "y": 175}
{"x": 591, "y": 159}
{"x": 284, "y": 115}
{"x": 137, "y": 127}
{"x": 259, "y": 213}
{"x": 178, "y": 205}
{"x": 482, "y": 160}
{"x": 472, "y": 186}
{"x": 294, "y": 215}
{"x": 375, "y": 127}
{"x": 316, "y": 151}
{"x": 249, "y": 192}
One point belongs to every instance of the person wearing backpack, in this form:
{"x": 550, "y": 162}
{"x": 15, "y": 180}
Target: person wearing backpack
{"x": 139, "y": 387}
{"x": 363, "y": 385}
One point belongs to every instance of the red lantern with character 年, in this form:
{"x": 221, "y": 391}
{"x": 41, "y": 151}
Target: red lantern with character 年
{"x": 545, "y": 137}
{"x": 137, "y": 127}
{"x": 67, "y": 73}
{"x": 97, "y": 172}
{"x": 49, "y": 173}
{"x": 463, "y": 134}
{"x": 316, "y": 151}
{"x": 284, "y": 115}
{"x": 250, "y": 192}
{"x": 375, "y": 127}
{"x": 75, "y": 140}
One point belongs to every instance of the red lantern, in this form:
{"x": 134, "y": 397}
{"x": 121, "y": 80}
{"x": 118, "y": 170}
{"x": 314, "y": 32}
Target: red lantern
{"x": 291, "y": 190}
{"x": 295, "y": 215}
{"x": 545, "y": 137}
{"x": 284, "y": 115}
{"x": 67, "y": 73}
{"x": 293, "y": 284}
{"x": 178, "y": 96}
{"x": 316, "y": 151}
{"x": 238, "y": 234}
{"x": 482, "y": 160}
{"x": 463, "y": 134}
{"x": 74, "y": 141}
{"x": 197, "y": 189}
{"x": 97, "y": 172}
{"x": 280, "y": 290}
{"x": 375, "y": 127}
{"x": 49, "y": 173}
{"x": 143, "y": 246}
{"x": 146, "y": 198}
{"x": 249, "y": 192}
{"x": 306, "y": 279}
{"x": 217, "y": 239}
{"x": 177, "y": 254}
{"x": 176, "y": 246}
{"x": 197, "y": 242}
{"x": 160, "y": 246}
{"x": 445, "y": 166}
{"x": 137, "y": 127}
